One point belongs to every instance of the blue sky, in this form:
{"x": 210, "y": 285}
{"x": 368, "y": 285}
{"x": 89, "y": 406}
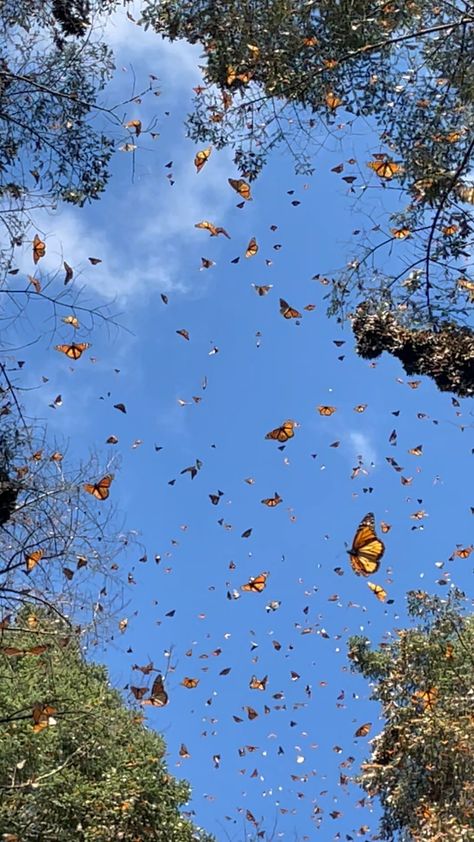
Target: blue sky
{"x": 143, "y": 230}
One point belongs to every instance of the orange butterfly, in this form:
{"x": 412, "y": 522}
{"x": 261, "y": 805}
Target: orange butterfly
{"x": 427, "y": 699}
{"x": 39, "y": 249}
{"x": 384, "y": 169}
{"x": 271, "y": 502}
{"x": 361, "y": 407}
{"x": 190, "y": 683}
{"x": 288, "y": 312}
{"x": 158, "y": 695}
{"x": 363, "y": 730}
{"x": 367, "y": 549}
{"x": 378, "y": 590}
{"x": 282, "y": 433}
{"x": 241, "y": 187}
{"x": 252, "y": 248}
{"x": 32, "y": 559}
{"x": 255, "y": 584}
{"x": 201, "y": 158}
{"x": 332, "y": 100}
{"x": 42, "y": 717}
{"x": 99, "y": 490}
{"x": 258, "y": 683}
{"x": 73, "y": 351}
{"x": 326, "y": 411}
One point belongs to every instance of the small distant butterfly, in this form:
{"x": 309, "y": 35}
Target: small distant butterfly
{"x": 271, "y": 502}
{"x": 262, "y": 290}
{"x": 326, "y": 410}
{"x": 378, "y": 590}
{"x": 201, "y": 158}
{"x": 190, "y": 683}
{"x": 39, "y": 249}
{"x": 258, "y": 683}
{"x": 384, "y": 169}
{"x": 241, "y": 187}
{"x": 252, "y": 248}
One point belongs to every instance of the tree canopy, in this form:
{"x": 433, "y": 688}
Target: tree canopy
{"x": 75, "y": 762}
{"x": 303, "y": 75}
{"x": 422, "y": 763}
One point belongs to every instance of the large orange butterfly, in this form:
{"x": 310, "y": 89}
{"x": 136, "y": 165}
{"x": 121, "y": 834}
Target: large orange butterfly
{"x": 241, "y": 187}
{"x": 255, "y": 584}
{"x": 367, "y": 549}
{"x": 384, "y": 169}
{"x": 99, "y": 490}
{"x": 283, "y": 433}
{"x": 73, "y": 351}
{"x": 158, "y": 695}
{"x": 288, "y": 312}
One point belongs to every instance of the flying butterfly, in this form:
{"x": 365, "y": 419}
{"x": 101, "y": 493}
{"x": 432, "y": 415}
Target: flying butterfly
{"x": 326, "y": 411}
{"x": 384, "y": 169}
{"x": 288, "y": 312}
{"x": 201, "y": 158}
{"x": 252, "y": 248}
{"x": 263, "y": 289}
{"x": 241, "y": 187}
{"x": 32, "y": 559}
{"x": 158, "y": 695}
{"x": 258, "y": 683}
{"x": 283, "y": 433}
{"x": 271, "y": 502}
{"x": 363, "y": 730}
{"x": 255, "y": 584}
{"x": 39, "y": 249}
{"x": 73, "y": 351}
{"x": 100, "y": 489}
{"x": 190, "y": 683}
{"x": 367, "y": 549}
{"x": 378, "y": 591}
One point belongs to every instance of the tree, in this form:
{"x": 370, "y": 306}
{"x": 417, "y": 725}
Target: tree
{"x": 57, "y": 136}
{"x": 422, "y": 763}
{"x": 59, "y": 544}
{"x": 75, "y": 762}
{"x": 281, "y": 73}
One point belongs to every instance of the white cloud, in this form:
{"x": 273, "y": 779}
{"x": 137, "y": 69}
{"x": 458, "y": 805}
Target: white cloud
{"x": 363, "y": 447}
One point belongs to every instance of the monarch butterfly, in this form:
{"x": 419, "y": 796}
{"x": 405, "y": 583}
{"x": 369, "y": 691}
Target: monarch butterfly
{"x": 241, "y": 187}
{"x": 264, "y": 289}
{"x": 138, "y": 692}
{"x": 255, "y": 584}
{"x": 183, "y": 751}
{"x": 378, "y": 590}
{"x": 99, "y": 490}
{"x": 73, "y": 351}
{"x": 400, "y": 233}
{"x": 363, "y": 730}
{"x": 427, "y": 699}
{"x": 416, "y": 451}
{"x": 361, "y": 407}
{"x": 158, "y": 695}
{"x": 252, "y": 248}
{"x": 258, "y": 683}
{"x": 32, "y": 559}
{"x": 190, "y": 683}
{"x": 233, "y": 76}
{"x": 201, "y": 158}
{"x": 332, "y": 100}
{"x": 39, "y": 249}
{"x": 465, "y": 192}
{"x": 42, "y": 717}
{"x": 367, "y": 549}
{"x": 326, "y": 410}
{"x": 449, "y": 230}
{"x": 384, "y": 169}
{"x": 271, "y": 502}
{"x": 282, "y": 433}
{"x": 385, "y": 527}
{"x": 288, "y": 312}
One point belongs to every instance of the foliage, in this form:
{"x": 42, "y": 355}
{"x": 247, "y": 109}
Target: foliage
{"x": 281, "y": 73}
{"x": 90, "y": 769}
{"x": 422, "y": 763}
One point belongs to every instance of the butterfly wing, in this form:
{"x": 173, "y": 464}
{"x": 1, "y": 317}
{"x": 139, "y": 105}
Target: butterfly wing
{"x": 367, "y": 549}
{"x": 158, "y": 696}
